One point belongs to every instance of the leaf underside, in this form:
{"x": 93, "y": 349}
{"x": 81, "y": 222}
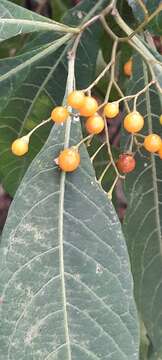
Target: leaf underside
{"x": 65, "y": 283}
{"x": 143, "y": 222}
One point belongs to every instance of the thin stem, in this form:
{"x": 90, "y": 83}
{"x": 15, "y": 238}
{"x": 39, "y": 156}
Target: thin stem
{"x": 90, "y": 20}
{"x": 140, "y": 2}
{"x": 107, "y": 28}
{"x": 131, "y": 143}
{"x": 110, "y": 192}
{"x": 138, "y": 45}
{"x": 146, "y": 21}
{"x": 129, "y": 97}
{"x": 83, "y": 140}
{"x": 99, "y": 77}
{"x": 141, "y": 92}
{"x": 122, "y": 94}
{"x": 97, "y": 152}
{"x": 109, "y": 148}
{"x": 37, "y": 127}
{"x": 112, "y": 76}
{"x": 103, "y": 173}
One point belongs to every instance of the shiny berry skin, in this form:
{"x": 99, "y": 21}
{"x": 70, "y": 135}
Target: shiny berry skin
{"x": 69, "y": 159}
{"x": 94, "y": 124}
{"x": 111, "y": 109}
{"x": 59, "y": 114}
{"x": 133, "y": 122}
{"x": 152, "y": 143}
{"x": 128, "y": 68}
{"x": 160, "y": 119}
{"x": 89, "y": 106}
{"x": 76, "y": 99}
{"x": 126, "y": 163}
{"x": 20, "y": 146}
{"x": 160, "y": 152}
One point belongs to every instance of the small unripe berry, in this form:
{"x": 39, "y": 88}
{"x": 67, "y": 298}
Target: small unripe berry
{"x": 126, "y": 163}
{"x": 111, "y": 109}
{"x": 133, "y": 122}
{"x": 59, "y": 114}
{"x": 152, "y": 143}
{"x": 76, "y": 99}
{"x": 20, "y": 146}
{"x": 89, "y": 106}
{"x": 69, "y": 159}
{"x": 94, "y": 124}
{"x": 128, "y": 67}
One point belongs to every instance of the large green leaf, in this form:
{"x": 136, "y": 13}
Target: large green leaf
{"x": 15, "y": 20}
{"x": 143, "y": 222}
{"x": 155, "y": 25}
{"x": 65, "y": 282}
{"x": 34, "y": 82}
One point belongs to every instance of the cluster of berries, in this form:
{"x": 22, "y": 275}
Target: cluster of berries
{"x": 87, "y": 106}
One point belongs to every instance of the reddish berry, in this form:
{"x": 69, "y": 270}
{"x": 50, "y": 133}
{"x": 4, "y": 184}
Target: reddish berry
{"x": 133, "y": 122}
{"x": 126, "y": 163}
{"x": 152, "y": 143}
{"x": 69, "y": 159}
{"x": 94, "y": 124}
{"x": 89, "y": 106}
{"x": 76, "y": 99}
{"x": 59, "y": 114}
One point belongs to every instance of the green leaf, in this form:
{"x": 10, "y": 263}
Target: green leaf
{"x": 15, "y": 20}
{"x": 143, "y": 222}
{"x": 65, "y": 282}
{"x": 39, "y": 78}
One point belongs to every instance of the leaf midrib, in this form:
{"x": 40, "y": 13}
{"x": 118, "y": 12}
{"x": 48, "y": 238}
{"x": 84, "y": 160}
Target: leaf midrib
{"x": 39, "y": 25}
{"x": 49, "y": 49}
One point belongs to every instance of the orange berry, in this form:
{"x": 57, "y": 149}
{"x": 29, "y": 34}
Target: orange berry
{"x": 152, "y": 143}
{"x": 89, "y": 106}
{"x": 20, "y": 146}
{"x": 111, "y": 109}
{"x": 128, "y": 67}
{"x": 160, "y": 152}
{"x": 69, "y": 159}
{"x": 59, "y": 114}
{"x": 160, "y": 119}
{"x": 126, "y": 163}
{"x": 94, "y": 124}
{"x": 133, "y": 122}
{"x": 76, "y": 99}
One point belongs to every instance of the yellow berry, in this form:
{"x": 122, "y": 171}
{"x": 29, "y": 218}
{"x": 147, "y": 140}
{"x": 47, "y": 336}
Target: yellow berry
{"x": 69, "y": 159}
{"x": 133, "y": 122}
{"x": 76, "y": 99}
{"x": 59, "y": 114}
{"x": 94, "y": 124}
{"x": 20, "y": 146}
{"x": 89, "y": 106}
{"x": 160, "y": 152}
{"x": 152, "y": 143}
{"x": 160, "y": 119}
{"x": 111, "y": 109}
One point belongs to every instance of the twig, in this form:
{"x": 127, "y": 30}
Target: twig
{"x": 99, "y": 77}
